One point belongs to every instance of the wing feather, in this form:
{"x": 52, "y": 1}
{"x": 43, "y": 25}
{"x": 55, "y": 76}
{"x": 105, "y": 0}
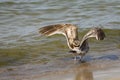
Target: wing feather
{"x": 51, "y": 30}
{"x": 68, "y": 30}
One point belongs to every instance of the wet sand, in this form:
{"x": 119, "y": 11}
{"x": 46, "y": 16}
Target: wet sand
{"x": 104, "y": 67}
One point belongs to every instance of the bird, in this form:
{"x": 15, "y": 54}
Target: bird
{"x": 70, "y": 31}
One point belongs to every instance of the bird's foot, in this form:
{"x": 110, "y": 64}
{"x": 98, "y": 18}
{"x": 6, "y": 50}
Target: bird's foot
{"x": 78, "y": 60}
{"x": 81, "y": 59}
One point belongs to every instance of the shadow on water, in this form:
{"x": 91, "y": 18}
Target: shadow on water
{"x": 79, "y": 72}
{"x": 110, "y": 57}
{"x": 91, "y": 58}
{"x": 84, "y": 72}
{"x": 105, "y": 57}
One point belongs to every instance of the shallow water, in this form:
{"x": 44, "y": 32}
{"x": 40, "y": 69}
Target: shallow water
{"x": 21, "y": 44}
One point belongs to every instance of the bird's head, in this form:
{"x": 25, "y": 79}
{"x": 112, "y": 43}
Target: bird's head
{"x": 98, "y": 33}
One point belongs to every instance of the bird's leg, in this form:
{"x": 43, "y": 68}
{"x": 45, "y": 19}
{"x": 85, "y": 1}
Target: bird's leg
{"x": 81, "y": 58}
{"x": 74, "y": 54}
{"x": 75, "y": 58}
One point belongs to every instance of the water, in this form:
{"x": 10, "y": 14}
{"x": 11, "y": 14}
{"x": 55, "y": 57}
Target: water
{"x": 21, "y": 44}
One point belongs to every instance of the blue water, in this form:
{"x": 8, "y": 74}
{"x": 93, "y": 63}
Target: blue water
{"x": 21, "y": 19}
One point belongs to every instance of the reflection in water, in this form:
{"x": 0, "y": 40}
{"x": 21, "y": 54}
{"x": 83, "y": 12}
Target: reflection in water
{"x": 84, "y": 72}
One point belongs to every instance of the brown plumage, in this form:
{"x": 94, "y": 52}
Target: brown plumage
{"x": 70, "y": 31}
{"x": 50, "y": 29}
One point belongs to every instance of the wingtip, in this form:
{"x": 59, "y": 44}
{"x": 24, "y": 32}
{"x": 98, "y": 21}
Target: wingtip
{"x": 48, "y": 30}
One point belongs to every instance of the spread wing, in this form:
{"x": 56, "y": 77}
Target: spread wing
{"x": 68, "y": 30}
{"x": 52, "y": 29}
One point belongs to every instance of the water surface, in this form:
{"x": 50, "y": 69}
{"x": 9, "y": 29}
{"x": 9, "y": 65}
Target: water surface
{"x": 23, "y": 49}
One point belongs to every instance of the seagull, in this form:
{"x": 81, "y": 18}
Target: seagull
{"x": 70, "y": 31}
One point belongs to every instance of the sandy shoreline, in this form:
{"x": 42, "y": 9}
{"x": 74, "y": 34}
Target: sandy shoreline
{"x": 70, "y": 74}
{"x": 85, "y": 71}
{"x": 106, "y": 68}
